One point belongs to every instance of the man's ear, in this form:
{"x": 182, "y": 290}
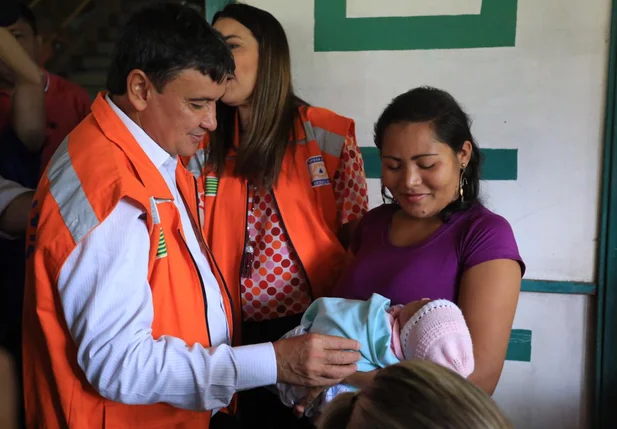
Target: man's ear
{"x": 138, "y": 88}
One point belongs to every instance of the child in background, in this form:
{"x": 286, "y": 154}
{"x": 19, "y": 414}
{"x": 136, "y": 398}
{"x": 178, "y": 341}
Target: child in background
{"x": 425, "y": 330}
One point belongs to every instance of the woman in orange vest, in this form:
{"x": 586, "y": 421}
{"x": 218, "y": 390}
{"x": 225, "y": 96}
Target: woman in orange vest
{"x": 283, "y": 184}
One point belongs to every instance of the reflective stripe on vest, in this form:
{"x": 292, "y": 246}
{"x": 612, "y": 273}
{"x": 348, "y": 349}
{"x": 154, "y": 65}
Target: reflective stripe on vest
{"x": 196, "y": 163}
{"x": 65, "y": 187}
{"x": 330, "y": 143}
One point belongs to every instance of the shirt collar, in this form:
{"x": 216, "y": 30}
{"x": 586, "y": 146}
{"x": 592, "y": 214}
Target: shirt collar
{"x": 157, "y": 154}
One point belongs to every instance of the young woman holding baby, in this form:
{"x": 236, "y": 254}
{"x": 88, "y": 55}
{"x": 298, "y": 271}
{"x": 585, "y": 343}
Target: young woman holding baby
{"x": 435, "y": 239}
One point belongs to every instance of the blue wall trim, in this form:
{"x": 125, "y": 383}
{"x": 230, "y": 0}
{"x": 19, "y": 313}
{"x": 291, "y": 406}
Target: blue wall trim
{"x": 519, "y": 347}
{"x": 499, "y": 164}
{"x": 548, "y": 286}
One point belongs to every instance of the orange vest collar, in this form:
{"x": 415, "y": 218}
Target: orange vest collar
{"x": 115, "y": 130}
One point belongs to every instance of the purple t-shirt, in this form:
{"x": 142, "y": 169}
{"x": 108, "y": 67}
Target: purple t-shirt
{"x": 430, "y": 269}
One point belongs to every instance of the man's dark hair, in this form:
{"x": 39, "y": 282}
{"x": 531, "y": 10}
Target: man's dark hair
{"x": 9, "y": 12}
{"x": 13, "y": 10}
{"x": 164, "y": 39}
{"x": 27, "y": 15}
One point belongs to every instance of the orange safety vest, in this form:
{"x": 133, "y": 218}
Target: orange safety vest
{"x": 97, "y": 165}
{"x": 304, "y": 195}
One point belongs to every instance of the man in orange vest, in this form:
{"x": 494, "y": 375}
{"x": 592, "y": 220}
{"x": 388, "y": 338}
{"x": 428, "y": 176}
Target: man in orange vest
{"x": 127, "y": 323}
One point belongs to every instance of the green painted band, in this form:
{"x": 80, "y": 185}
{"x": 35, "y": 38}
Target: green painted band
{"x": 548, "y": 286}
{"x": 213, "y": 6}
{"x": 499, "y": 164}
{"x": 495, "y": 26}
{"x": 519, "y": 346}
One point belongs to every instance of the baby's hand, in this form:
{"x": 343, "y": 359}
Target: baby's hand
{"x": 410, "y": 309}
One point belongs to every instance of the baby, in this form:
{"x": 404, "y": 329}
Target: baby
{"x": 427, "y": 330}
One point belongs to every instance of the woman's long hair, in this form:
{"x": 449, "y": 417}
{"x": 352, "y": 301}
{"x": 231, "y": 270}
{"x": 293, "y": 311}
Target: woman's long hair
{"x": 274, "y": 106}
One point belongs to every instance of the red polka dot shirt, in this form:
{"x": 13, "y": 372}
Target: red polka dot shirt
{"x": 278, "y": 286}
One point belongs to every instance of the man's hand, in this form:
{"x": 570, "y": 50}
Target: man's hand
{"x": 315, "y": 360}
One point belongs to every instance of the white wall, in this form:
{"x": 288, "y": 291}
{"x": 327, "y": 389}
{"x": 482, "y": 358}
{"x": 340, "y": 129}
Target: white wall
{"x": 545, "y": 97}
{"x": 552, "y": 391}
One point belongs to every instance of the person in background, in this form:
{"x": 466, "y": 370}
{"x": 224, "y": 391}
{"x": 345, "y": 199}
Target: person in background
{"x": 282, "y": 184}
{"x": 27, "y": 126}
{"x": 8, "y": 392}
{"x": 126, "y": 320}
{"x": 415, "y": 394}
{"x": 434, "y": 239}
{"x": 66, "y": 105}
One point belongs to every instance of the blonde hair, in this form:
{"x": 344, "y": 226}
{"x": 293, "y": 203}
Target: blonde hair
{"x": 415, "y": 394}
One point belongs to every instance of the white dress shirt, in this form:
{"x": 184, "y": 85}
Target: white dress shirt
{"x": 107, "y": 304}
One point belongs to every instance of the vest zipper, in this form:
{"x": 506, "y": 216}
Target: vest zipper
{"x": 201, "y": 282}
{"x": 216, "y": 265}
{"x": 246, "y": 220}
{"x": 278, "y": 209}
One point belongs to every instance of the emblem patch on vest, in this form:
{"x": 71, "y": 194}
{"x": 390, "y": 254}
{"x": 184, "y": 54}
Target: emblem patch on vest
{"x": 317, "y": 171}
{"x": 212, "y": 186}
{"x": 161, "y": 251}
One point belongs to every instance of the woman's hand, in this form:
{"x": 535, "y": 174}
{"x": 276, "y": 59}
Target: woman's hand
{"x": 311, "y": 395}
{"x": 358, "y": 379}
{"x": 361, "y": 379}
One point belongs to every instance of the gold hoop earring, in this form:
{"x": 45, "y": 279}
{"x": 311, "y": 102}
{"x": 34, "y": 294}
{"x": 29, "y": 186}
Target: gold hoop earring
{"x": 462, "y": 182}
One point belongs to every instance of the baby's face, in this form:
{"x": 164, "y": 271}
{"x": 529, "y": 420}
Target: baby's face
{"x": 410, "y": 309}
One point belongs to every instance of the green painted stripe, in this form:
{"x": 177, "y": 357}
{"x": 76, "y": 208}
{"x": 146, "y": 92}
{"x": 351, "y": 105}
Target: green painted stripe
{"x": 372, "y": 162}
{"x": 213, "y": 6}
{"x": 499, "y": 164}
{"x": 606, "y": 304}
{"x": 519, "y": 347}
{"x": 495, "y": 26}
{"x": 548, "y": 286}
